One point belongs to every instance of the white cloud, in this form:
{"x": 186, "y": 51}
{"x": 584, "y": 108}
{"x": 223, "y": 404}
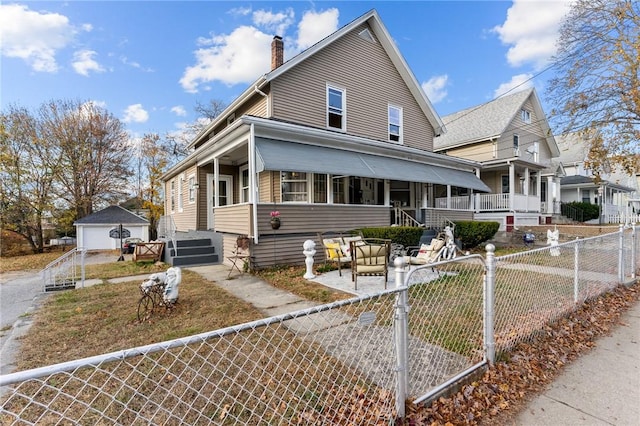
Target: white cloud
{"x": 179, "y": 111}
{"x": 517, "y": 83}
{"x": 239, "y": 57}
{"x": 436, "y": 88}
{"x": 531, "y": 29}
{"x": 135, "y": 114}
{"x": 34, "y": 36}
{"x": 276, "y": 23}
{"x": 83, "y": 62}
{"x": 245, "y": 53}
{"x": 314, "y": 26}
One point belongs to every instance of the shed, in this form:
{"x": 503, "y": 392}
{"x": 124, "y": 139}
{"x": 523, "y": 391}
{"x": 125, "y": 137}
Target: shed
{"x": 92, "y": 231}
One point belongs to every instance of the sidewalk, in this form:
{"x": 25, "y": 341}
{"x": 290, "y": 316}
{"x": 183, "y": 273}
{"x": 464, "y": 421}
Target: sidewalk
{"x": 601, "y": 387}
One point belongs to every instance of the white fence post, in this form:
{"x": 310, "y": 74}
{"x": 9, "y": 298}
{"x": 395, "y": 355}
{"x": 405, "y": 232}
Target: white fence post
{"x": 489, "y": 298}
{"x": 401, "y": 334}
{"x": 633, "y": 251}
{"x": 576, "y": 270}
{"x": 621, "y": 254}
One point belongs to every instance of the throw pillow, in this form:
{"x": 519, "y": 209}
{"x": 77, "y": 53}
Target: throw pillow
{"x": 333, "y": 249}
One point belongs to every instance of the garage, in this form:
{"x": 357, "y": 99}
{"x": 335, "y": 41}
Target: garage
{"x": 92, "y": 232}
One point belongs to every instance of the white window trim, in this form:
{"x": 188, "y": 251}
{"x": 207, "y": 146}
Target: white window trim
{"x": 191, "y": 181}
{"x": 172, "y": 195}
{"x": 516, "y": 145}
{"x": 242, "y": 188}
{"x": 525, "y": 115}
{"x": 400, "y": 124}
{"x": 309, "y": 187}
{"x": 180, "y": 196}
{"x": 344, "y": 107}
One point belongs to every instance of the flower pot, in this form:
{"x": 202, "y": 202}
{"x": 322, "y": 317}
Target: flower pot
{"x": 275, "y": 223}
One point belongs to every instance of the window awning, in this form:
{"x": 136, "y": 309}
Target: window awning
{"x": 291, "y": 156}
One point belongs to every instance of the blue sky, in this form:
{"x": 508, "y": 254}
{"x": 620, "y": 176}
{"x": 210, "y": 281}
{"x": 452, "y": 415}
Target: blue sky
{"x": 149, "y": 62}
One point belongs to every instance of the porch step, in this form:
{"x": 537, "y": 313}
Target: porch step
{"x": 191, "y": 252}
{"x": 194, "y": 260}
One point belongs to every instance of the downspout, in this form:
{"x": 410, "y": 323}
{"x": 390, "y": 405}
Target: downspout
{"x": 252, "y": 182}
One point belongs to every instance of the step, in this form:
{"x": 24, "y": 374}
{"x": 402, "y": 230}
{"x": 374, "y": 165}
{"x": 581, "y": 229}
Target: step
{"x": 189, "y": 251}
{"x": 195, "y": 260}
{"x": 196, "y": 242}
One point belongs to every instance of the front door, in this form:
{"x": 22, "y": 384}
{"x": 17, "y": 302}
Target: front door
{"x": 225, "y": 196}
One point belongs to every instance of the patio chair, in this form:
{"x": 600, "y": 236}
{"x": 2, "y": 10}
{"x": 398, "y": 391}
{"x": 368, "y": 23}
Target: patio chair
{"x": 370, "y": 257}
{"x": 426, "y": 253}
{"x": 336, "y": 247}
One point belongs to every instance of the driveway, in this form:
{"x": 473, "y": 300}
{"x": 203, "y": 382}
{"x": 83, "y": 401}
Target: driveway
{"x": 20, "y": 295}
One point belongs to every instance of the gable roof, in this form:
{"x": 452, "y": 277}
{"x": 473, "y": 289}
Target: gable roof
{"x": 573, "y": 148}
{"x": 380, "y": 32}
{"x": 489, "y": 121}
{"x": 110, "y": 216}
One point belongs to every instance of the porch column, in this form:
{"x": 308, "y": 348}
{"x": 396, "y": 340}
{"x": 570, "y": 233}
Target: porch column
{"x": 448, "y": 196}
{"x": 525, "y": 188}
{"x": 430, "y": 191}
{"x": 551, "y": 196}
{"x": 425, "y": 195}
{"x": 512, "y": 184}
{"x": 216, "y": 181}
{"x": 476, "y": 197}
{"x": 387, "y": 192}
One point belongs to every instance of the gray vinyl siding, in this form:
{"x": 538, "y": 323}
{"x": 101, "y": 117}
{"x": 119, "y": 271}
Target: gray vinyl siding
{"x": 371, "y": 82}
{"x": 528, "y": 133}
{"x": 269, "y": 187}
{"x": 256, "y": 105}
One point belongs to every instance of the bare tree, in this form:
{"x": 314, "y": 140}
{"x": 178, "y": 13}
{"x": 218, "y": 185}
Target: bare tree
{"x": 596, "y": 90}
{"x": 176, "y": 143}
{"x": 28, "y": 164}
{"x": 93, "y": 153}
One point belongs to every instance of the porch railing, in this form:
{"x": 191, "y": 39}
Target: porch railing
{"x": 462, "y": 202}
{"x": 502, "y": 202}
{"x": 402, "y": 218}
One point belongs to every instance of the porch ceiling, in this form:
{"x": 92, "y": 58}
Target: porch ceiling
{"x": 291, "y": 156}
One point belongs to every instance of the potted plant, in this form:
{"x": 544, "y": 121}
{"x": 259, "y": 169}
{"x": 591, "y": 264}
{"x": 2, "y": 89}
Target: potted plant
{"x": 275, "y": 220}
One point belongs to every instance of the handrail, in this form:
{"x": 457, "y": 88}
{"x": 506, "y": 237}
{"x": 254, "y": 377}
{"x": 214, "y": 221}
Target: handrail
{"x": 167, "y": 228}
{"x": 403, "y": 218}
{"x": 61, "y": 273}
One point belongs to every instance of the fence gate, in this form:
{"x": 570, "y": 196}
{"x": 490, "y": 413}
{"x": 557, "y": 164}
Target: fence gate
{"x": 445, "y": 324}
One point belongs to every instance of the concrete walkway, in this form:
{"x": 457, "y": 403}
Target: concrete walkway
{"x": 601, "y": 387}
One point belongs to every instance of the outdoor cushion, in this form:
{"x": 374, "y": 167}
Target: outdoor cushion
{"x": 333, "y": 249}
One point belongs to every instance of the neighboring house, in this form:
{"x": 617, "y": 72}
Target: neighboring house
{"x": 616, "y": 192}
{"x": 511, "y": 138}
{"x": 92, "y": 231}
{"x": 336, "y": 138}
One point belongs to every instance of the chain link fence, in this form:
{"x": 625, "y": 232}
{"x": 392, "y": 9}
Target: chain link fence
{"x": 348, "y": 362}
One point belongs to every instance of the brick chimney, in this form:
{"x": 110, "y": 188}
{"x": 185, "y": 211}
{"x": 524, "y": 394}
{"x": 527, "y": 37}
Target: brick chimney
{"x": 277, "y": 52}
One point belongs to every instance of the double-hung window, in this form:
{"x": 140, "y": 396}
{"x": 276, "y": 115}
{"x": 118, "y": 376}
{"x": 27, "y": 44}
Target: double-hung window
{"x": 244, "y": 184}
{"x": 525, "y": 115}
{"x": 395, "y": 124}
{"x": 180, "y": 187}
{"x": 294, "y": 187}
{"x": 172, "y": 196}
{"x": 336, "y": 108}
{"x": 192, "y": 189}
{"x": 516, "y": 145}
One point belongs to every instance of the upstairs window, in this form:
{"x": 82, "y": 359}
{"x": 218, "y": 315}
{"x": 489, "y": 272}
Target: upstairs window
{"x": 526, "y": 116}
{"x": 516, "y": 145}
{"x": 336, "y": 108}
{"x": 395, "y": 124}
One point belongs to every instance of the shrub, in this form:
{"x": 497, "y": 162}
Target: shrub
{"x": 405, "y": 235}
{"x": 589, "y": 211}
{"x": 474, "y": 233}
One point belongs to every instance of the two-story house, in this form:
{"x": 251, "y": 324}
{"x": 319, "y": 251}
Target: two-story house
{"x": 336, "y": 138}
{"x": 616, "y": 192}
{"x": 510, "y": 136}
